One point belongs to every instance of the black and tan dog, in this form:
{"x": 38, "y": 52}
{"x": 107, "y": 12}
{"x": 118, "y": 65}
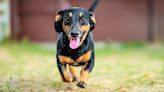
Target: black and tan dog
{"x": 75, "y": 43}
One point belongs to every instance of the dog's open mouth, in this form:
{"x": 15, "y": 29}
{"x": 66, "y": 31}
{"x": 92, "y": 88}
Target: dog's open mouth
{"x": 74, "y": 43}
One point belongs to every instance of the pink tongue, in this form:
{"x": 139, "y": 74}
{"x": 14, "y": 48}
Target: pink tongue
{"x": 74, "y": 43}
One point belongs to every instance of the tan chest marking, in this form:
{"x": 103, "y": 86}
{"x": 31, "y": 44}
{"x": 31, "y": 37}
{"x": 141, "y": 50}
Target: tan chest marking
{"x": 84, "y": 58}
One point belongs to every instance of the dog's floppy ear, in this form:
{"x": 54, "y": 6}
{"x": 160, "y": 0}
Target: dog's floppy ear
{"x": 59, "y": 20}
{"x": 92, "y": 20}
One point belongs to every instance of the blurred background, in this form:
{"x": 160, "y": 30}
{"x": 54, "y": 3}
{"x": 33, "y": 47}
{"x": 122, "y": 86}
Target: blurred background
{"x": 129, "y": 46}
{"x": 117, "y": 20}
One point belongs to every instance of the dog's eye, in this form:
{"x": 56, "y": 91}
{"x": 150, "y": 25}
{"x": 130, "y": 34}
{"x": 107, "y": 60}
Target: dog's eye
{"x": 67, "y": 19}
{"x": 83, "y": 19}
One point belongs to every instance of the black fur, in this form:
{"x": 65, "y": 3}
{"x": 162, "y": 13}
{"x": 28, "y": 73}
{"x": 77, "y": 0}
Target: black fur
{"x": 93, "y": 7}
{"x": 63, "y": 41}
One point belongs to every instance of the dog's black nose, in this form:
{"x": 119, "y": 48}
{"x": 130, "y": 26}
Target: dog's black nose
{"x": 74, "y": 34}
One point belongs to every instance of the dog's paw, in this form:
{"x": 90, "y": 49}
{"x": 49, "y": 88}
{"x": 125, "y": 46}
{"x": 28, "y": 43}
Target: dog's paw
{"x": 74, "y": 79}
{"x": 67, "y": 79}
{"x": 82, "y": 85}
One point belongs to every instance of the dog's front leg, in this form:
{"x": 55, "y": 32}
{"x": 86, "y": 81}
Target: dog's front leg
{"x": 63, "y": 72}
{"x": 73, "y": 72}
{"x": 86, "y": 69}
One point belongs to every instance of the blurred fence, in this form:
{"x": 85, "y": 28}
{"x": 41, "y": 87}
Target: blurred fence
{"x": 117, "y": 20}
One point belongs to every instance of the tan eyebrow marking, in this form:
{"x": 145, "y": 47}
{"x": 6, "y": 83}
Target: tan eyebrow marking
{"x": 70, "y": 14}
{"x": 81, "y": 14}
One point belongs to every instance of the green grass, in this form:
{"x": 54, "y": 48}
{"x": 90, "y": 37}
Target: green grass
{"x": 128, "y": 67}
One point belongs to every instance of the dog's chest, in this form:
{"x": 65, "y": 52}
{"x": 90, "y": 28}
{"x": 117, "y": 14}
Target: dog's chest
{"x": 82, "y": 59}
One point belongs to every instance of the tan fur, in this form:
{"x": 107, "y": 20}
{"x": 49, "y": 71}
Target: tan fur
{"x": 67, "y": 78}
{"x": 70, "y": 14}
{"x": 93, "y": 18}
{"x": 84, "y": 75}
{"x": 58, "y": 17}
{"x": 80, "y": 14}
{"x": 84, "y": 58}
{"x": 65, "y": 60}
{"x": 86, "y": 28}
{"x": 72, "y": 71}
{"x": 66, "y": 28}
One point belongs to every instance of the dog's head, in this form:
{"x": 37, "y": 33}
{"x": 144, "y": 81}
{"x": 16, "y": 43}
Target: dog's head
{"x": 76, "y": 23}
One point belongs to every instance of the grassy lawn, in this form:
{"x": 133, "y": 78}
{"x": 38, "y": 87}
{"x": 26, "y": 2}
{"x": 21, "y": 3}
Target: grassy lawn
{"x": 119, "y": 67}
